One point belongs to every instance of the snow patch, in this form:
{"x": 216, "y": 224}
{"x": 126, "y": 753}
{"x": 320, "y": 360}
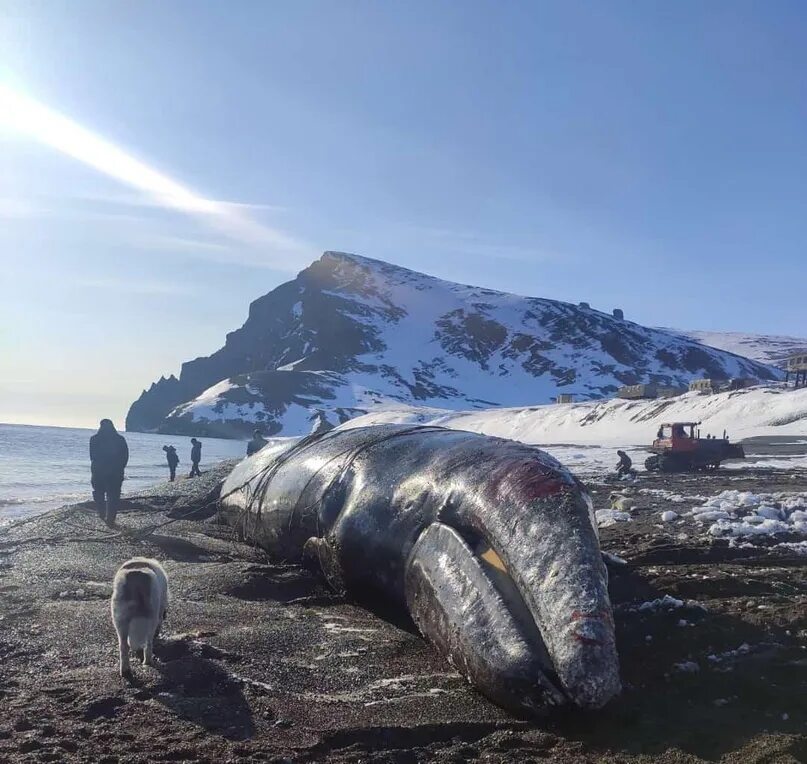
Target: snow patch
{"x": 743, "y": 514}
{"x": 607, "y": 517}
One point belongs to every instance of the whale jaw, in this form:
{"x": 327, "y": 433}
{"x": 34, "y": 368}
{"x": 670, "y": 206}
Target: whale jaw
{"x": 529, "y": 623}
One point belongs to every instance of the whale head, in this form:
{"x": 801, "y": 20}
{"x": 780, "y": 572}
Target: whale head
{"x": 510, "y": 584}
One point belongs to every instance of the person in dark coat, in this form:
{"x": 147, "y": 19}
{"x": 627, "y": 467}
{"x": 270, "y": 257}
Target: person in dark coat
{"x": 256, "y": 444}
{"x": 196, "y": 457}
{"x": 172, "y": 457}
{"x": 109, "y": 455}
{"x": 624, "y": 465}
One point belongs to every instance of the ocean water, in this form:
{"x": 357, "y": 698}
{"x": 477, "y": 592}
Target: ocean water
{"x": 46, "y": 467}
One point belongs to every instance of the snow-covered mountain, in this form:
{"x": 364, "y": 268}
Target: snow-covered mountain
{"x": 349, "y": 335}
{"x": 766, "y": 348}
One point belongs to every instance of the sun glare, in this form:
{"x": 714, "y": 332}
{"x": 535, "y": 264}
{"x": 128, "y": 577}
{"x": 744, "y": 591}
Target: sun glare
{"x": 26, "y": 116}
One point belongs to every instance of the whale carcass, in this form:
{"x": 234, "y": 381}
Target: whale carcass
{"x": 490, "y": 544}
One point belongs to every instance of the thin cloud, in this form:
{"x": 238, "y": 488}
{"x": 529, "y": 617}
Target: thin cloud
{"x": 473, "y": 244}
{"x": 33, "y": 209}
{"x": 35, "y": 120}
{"x": 183, "y": 244}
{"x": 158, "y": 288}
{"x": 216, "y": 252}
{"x": 140, "y": 201}
{"x": 16, "y": 209}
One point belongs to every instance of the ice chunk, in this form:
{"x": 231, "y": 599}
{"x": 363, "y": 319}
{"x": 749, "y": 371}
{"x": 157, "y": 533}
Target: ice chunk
{"x": 666, "y": 602}
{"x": 771, "y": 513}
{"x": 710, "y": 515}
{"x": 606, "y": 517}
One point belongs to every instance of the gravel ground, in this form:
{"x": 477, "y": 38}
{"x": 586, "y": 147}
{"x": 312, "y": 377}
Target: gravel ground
{"x": 258, "y": 661}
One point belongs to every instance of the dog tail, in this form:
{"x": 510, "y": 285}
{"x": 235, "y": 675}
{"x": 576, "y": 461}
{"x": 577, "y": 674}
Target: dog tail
{"x": 137, "y": 593}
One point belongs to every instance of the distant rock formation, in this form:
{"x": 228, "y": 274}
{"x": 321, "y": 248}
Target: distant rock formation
{"x": 350, "y": 334}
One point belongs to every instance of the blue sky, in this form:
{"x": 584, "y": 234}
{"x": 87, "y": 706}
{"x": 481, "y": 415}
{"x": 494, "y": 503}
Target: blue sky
{"x": 647, "y": 155}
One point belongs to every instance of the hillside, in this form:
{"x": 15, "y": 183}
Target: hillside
{"x": 766, "y": 348}
{"x": 755, "y": 412}
{"x": 350, "y": 335}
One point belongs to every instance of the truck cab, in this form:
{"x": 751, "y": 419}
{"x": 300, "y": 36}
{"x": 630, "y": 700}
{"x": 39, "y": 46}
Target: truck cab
{"x": 677, "y": 436}
{"x": 679, "y": 447}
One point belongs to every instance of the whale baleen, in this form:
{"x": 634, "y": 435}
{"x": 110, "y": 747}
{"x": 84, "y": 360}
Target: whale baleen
{"x": 490, "y": 545}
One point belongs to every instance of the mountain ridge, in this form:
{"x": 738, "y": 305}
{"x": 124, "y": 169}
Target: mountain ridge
{"x": 771, "y": 349}
{"x": 350, "y": 334}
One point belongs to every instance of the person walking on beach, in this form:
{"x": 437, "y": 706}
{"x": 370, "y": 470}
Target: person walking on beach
{"x": 196, "y": 457}
{"x": 109, "y": 455}
{"x": 256, "y": 444}
{"x": 172, "y": 457}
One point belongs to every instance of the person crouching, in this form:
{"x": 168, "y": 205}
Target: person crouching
{"x": 172, "y": 457}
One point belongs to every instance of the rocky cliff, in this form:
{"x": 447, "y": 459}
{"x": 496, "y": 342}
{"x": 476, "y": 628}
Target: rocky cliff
{"x": 350, "y": 334}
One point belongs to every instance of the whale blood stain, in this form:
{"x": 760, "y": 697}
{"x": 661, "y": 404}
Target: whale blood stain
{"x": 577, "y": 615}
{"x": 531, "y": 479}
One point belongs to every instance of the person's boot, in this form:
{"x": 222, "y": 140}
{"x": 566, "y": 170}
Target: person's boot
{"x": 100, "y": 504}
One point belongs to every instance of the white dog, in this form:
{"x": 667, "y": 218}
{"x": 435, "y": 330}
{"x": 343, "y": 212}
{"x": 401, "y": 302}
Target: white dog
{"x": 139, "y": 606}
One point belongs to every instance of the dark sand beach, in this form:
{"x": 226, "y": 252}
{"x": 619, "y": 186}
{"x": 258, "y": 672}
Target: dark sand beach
{"x": 259, "y": 661}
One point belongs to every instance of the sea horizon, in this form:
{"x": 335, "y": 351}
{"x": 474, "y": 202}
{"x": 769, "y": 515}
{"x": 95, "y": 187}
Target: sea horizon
{"x": 43, "y": 467}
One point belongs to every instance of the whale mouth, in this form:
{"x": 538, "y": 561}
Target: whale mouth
{"x": 465, "y": 602}
{"x": 497, "y": 571}
{"x": 471, "y": 607}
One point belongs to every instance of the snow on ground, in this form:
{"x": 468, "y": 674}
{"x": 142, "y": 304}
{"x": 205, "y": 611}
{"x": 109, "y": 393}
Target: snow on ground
{"x": 779, "y": 462}
{"x": 606, "y": 517}
{"x": 757, "y": 411}
{"x": 765, "y": 348}
{"x": 204, "y": 404}
{"x": 746, "y": 515}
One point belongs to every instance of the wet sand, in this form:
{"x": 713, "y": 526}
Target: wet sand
{"x": 259, "y": 661}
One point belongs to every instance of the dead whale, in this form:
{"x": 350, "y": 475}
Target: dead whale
{"x": 490, "y": 544}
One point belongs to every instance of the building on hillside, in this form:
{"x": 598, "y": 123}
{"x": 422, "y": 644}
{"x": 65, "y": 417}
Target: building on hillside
{"x": 706, "y": 385}
{"x": 565, "y": 398}
{"x": 797, "y": 369}
{"x": 740, "y": 383}
{"x": 638, "y": 392}
{"x": 648, "y": 391}
{"x": 619, "y": 314}
{"x": 666, "y": 391}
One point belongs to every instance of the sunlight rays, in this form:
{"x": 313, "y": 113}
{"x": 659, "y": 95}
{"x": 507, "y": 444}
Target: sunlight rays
{"x": 30, "y": 118}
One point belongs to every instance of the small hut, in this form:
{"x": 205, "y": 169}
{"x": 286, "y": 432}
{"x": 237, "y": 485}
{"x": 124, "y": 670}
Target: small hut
{"x": 796, "y": 369}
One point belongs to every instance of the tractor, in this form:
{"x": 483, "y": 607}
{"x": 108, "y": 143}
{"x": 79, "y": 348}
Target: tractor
{"x": 679, "y": 447}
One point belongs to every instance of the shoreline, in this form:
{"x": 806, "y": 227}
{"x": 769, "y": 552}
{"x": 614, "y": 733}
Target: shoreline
{"x": 162, "y": 486}
{"x": 260, "y": 661}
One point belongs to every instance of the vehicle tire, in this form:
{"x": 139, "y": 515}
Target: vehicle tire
{"x": 668, "y": 464}
{"x": 651, "y": 464}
